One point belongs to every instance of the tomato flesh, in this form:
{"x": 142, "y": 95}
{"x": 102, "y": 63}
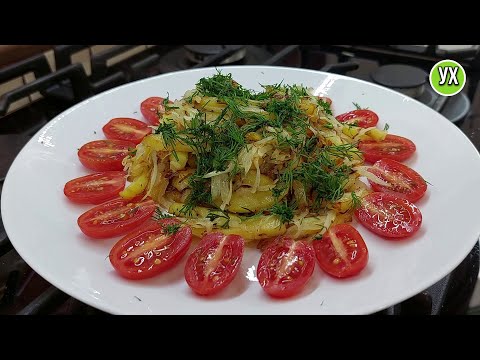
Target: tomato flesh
{"x": 361, "y": 117}
{"x": 152, "y": 108}
{"x": 392, "y": 147}
{"x": 151, "y": 249}
{"x": 104, "y": 155}
{"x": 214, "y": 263}
{"x": 405, "y": 182}
{"x": 115, "y": 217}
{"x": 388, "y": 215}
{"x": 285, "y": 266}
{"x": 126, "y": 129}
{"x": 341, "y": 252}
{"x": 95, "y": 188}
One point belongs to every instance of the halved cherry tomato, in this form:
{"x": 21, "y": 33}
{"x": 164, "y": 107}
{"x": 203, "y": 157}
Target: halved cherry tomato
{"x": 285, "y": 266}
{"x": 341, "y": 252}
{"x": 152, "y": 108}
{"x": 95, "y": 188}
{"x": 405, "y": 182}
{"x": 389, "y": 216}
{"x": 392, "y": 147}
{"x": 104, "y": 155}
{"x": 214, "y": 263}
{"x": 152, "y": 249}
{"x": 361, "y": 117}
{"x": 126, "y": 129}
{"x": 115, "y": 217}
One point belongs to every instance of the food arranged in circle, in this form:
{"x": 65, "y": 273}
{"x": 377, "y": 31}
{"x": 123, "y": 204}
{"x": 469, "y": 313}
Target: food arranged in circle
{"x": 225, "y": 168}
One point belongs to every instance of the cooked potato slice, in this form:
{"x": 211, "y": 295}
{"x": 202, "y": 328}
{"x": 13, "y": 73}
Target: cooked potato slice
{"x": 179, "y": 162}
{"x": 135, "y": 188}
{"x": 244, "y": 201}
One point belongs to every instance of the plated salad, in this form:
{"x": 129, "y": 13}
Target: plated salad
{"x": 225, "y": 168}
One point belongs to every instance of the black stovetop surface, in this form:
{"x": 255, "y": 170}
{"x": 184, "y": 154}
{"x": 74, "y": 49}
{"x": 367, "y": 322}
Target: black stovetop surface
{"x": 22, "y": 291}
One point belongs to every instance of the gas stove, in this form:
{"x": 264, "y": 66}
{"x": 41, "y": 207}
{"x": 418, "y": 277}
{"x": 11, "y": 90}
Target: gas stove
{"x": 26, "y": 108}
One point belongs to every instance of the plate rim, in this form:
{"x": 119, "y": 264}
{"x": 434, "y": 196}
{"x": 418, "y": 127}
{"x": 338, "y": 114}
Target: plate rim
{"x": 112, "y": 309}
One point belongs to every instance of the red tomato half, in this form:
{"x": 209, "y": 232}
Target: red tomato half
{"x": 126, "y": 129}
{"x": 104, "y": 155}
{"x": 392, "y": 147}
{"x": 405, "y": 182}
{"x": 95, "y": 188}
{"x": 152, "y": 108}
{"x": 214, "y": 263}
{"x": 362, "y": 117}
{"x": 389, "y": 216}
{"x": 341, "y": 252}
{"x": 152, "y": 249}
{"x": 285, "y": 267}
{"x": 115, "y": 217}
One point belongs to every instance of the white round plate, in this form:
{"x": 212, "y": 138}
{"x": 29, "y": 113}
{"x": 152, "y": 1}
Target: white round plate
{"x": 42, "y": 223}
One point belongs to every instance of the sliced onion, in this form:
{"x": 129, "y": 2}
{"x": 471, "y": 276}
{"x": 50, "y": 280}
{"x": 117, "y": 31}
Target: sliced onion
{"x": 363, "y": 171}
{"x": 331, "y": 215}
{"x": 217, "y": 173}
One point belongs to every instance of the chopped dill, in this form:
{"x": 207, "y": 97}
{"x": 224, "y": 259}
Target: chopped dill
{"x": 212, "y": 216}
{"x": 222, "y": 86}
{"x": 323, "y": 176}
{"x": 171, "y": 229}
{"x": 356, "y": 201}
{"x": 159, "y": 214}
{"x": 217, "y": 143}
{"x": 326, "y": 106}
{"x": 169, "y": 134}
{"x": 166, "y": 104}
{"x": 386, "y": 127}
{"x": 358, "y": 107}
{"x": 283, "y": 211}
{"x": 284, "y": 183}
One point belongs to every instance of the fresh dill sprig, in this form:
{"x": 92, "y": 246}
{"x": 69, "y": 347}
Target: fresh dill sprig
{"x": 166, "y": 104}
{"x": 325, "y": 105}
{"x": 159, "y": 214}
{"x": 284, "y": 183}
{"x": 171, "y": 229}
{"x": 310, "y": 145}
{"x": 358, "y": 107}
{"x": 349, "y": 151}
{"x": 169, "y": 134}
{"x": 283, "y": 211}
{"x": 323, "y": 176}
{"x": 221, "y": 86}
{"x": 356, "y": 201}
{"x": 224, "y": 215}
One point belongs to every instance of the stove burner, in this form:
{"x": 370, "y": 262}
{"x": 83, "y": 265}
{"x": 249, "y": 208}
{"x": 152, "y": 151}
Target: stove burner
{"x": 198, "y": 53}
{"x": 185, "y": 57}
{"x": 406, "y": 79}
